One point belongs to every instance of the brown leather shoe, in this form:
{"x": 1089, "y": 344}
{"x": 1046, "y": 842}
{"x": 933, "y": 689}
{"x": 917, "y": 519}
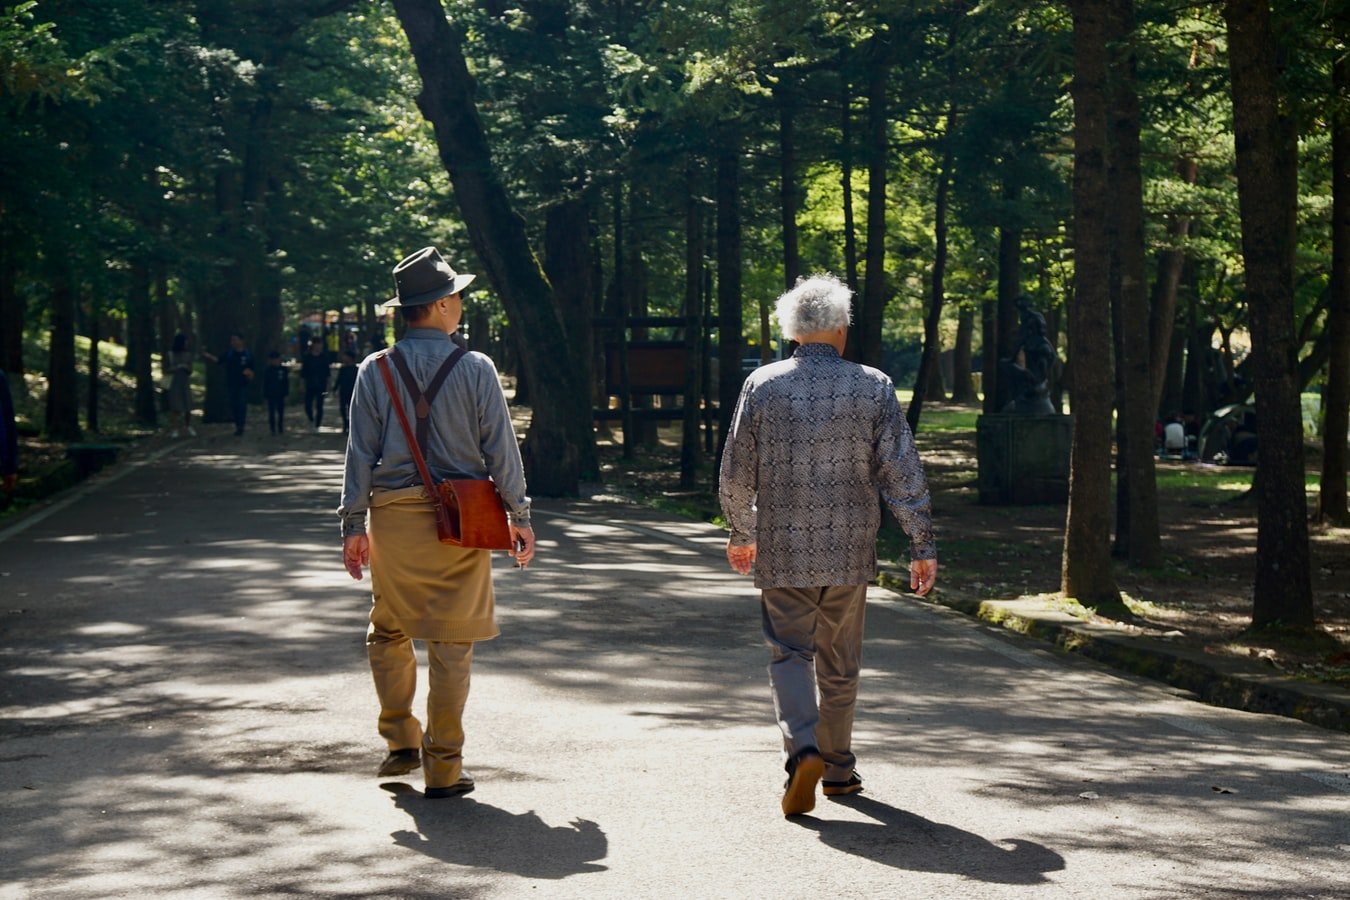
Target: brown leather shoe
{"x": 400, "y": 762}
{"x": 800, "y": 794}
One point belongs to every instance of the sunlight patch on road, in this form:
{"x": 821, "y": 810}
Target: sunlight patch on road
{"x": 110, "y": 629}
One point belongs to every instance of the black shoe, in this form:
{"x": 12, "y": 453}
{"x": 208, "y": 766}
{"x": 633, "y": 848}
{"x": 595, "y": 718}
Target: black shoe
{"x": 841, "y": 788}
{"x": 463, "y": 786}
{"x": 804, "y": 771}
{"x": 400, "y": 762}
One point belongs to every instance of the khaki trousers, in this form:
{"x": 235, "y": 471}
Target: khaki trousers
{"x": 394, "y": 665}
{"x": 815, "y": 641}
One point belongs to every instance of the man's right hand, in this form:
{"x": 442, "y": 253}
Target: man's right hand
{"x": 355, "y": 554}
{"x": 922, "y": 575}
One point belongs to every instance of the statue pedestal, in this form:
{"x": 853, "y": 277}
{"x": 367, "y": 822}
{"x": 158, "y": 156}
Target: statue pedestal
{"x": 1023, "y": 460}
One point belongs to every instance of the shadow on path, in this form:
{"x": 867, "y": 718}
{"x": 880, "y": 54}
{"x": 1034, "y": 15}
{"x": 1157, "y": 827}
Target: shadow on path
{"x": 908, "y": 841}
{"x": 465, "y": 832}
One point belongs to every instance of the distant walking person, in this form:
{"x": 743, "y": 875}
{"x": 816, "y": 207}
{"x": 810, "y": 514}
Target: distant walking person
{"x": 180, "y": 384}
{"x": 315, "y": 367}
{"x": 423, "y": 589}
{"x": 344, "y": 385}
{"x": 238, "y": 363}
{"x": 276, "y": 386}
{"x": 814, "y": 442}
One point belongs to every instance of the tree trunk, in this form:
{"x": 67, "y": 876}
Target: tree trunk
{"x": 141, "y": 325}
{"x": 1267, "y": 198}
{"x": 569, "y": 266}
{"x": 788, "y": 188}
{"x": 963, "y": 388}
{"x": 730, "y": 324}
{"x": 63, "y": 418}
{"x": 846, "y": 183}
{"x": 1086, "y": 572}
{"x": 559, "y": 449}
{"x": 619, "y": 309}
{"x": 989, "y": 354}
{"x": 929, "y": 373}
{"x": 1163, "y": 299}
{"x": 1009, "y": 289}
{"x": 1137, "y": 528}
{"x": 13, "y": 312}
{"x": 93, "y": 381}
{"x": 1331, "y": 502}
{"x": 691, "y": 455}
{"x": 637, "y": 300}
{"x": 873, "y": 306}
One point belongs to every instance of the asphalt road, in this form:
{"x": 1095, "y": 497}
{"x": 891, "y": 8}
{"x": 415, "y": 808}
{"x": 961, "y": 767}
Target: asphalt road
{"x": 185, "y": 710}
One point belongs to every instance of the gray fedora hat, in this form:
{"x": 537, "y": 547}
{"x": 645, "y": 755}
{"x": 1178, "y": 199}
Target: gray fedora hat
{"x": 424, "y": 277}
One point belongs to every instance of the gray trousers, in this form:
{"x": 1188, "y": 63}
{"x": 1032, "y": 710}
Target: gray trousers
{"x": 815, "y": 641}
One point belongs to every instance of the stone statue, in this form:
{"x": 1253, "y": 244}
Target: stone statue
{"x": 1029, "y": 383}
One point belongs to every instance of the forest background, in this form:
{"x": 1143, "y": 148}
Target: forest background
{"x": 1167, "y": 181}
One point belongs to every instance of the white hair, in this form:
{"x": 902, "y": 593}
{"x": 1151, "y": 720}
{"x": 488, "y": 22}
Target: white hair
{"x": 815, "y": 304}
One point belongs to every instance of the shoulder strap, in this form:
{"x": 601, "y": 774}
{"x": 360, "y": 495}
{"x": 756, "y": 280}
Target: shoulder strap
{"x": 421, "y": 399}
{"x": 383, "y": 362}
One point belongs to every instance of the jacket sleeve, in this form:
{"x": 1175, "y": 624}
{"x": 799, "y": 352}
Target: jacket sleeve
{"x": 904, "y": 489}
{"x": 363, "y": 452}
{"x": 738, "y": 480}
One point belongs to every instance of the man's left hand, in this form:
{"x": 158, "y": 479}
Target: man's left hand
{"x": 922, "y": 574}
{"x": 741, "y": 558}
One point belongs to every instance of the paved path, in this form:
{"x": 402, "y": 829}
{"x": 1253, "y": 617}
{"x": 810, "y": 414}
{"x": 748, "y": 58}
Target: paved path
{"x": 185, "y": 711}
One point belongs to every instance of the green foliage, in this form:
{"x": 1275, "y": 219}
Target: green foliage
{"x": 133, "y": 129}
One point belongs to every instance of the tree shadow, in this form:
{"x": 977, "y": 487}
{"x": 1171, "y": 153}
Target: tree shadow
{"x": 465, "y": 832}
{"x": 908, "y": 841}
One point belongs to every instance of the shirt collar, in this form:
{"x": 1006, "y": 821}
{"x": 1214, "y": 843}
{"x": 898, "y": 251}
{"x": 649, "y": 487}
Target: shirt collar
{"x": 425, "y": 334}
{"x": 816, "y": 350}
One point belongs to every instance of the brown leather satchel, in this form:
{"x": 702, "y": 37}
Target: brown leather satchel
{"x": 469, "y": 511}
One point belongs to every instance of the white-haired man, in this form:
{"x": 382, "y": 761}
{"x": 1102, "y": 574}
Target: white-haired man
{"x": 814, "y": 442}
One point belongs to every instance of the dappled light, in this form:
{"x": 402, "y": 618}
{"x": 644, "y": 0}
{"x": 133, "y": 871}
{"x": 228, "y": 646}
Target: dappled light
{"x": 226, "y": 672}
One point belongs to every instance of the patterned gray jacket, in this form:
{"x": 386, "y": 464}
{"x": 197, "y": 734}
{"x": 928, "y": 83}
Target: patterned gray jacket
{"x": 814, "y": 441}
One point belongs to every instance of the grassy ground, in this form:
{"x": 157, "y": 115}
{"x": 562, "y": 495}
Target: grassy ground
{"x": 43, "y": 464}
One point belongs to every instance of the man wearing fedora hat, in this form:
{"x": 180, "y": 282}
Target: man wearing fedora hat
{"x": 423, "y": 589}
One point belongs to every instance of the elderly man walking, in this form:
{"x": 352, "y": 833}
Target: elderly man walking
{"x": 814, "y": 442}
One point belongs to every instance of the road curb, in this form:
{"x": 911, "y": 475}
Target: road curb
{"x": 1214, "y": 680}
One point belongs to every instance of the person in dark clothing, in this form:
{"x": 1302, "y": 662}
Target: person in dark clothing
{"x": 9, "y": 439}
{"x": 276, "y": 385}
{"x": 238, "y": 363}
{"x": 344, "y": 386}
{"x": 314, "y": 369}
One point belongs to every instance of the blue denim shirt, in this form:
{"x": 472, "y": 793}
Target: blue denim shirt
{"x": 471, "y": 435}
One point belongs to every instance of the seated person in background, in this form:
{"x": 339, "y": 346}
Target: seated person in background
{"x": 1174, "y": 437}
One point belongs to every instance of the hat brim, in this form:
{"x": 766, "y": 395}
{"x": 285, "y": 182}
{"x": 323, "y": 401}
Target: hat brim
{"x": 454, "y": 287}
